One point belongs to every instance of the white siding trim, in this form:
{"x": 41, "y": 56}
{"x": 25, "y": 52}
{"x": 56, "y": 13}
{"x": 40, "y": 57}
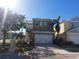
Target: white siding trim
{"x": 42, "y": 32}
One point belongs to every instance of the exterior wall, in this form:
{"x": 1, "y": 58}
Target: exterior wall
{"x": 29, "y": 25}
{"x": 74, "y": 37}
{"x": 44, "y": 38}
{"x": 71, "y": 34}
{"x": 33, "y": 35}
{"x": 63, "y": 36}
{"x": 43, "y": 24}
{"x": 26, "y": 37}
{"x": 67, "y": 25}
{"x": 64, "y": 26}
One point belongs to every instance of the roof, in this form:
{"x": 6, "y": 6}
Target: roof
{"x": 73, "y": 29}
{"x": 75, "y": 19}
{"x": 40, "y": 19}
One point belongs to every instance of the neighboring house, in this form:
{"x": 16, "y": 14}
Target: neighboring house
{"x": 29, "y": 25}
{"x": 41, "y": 31}
{"x": 70, "y": 30}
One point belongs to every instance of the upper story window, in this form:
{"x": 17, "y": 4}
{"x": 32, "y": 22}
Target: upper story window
{"x": 45, "y": 23}
{"x": 41, "y": 23}
{"x": 36, "y": 24}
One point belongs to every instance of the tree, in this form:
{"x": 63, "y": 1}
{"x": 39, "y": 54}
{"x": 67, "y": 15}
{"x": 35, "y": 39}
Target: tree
{"x": 56, "y": 26}
{"x": 4, "y": 30}
{"x": 11, "y": 23}
{"x": 21, "y": 24}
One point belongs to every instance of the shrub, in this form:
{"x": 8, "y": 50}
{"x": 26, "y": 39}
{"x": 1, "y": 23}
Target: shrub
{"x": 58, "y": 41}
{"x": 22, "y": 50}
{"x": 69, "y": 43}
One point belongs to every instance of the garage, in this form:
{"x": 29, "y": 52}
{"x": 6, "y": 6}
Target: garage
{"x": 74, "y": 37}
{"x": 43, "y": 38}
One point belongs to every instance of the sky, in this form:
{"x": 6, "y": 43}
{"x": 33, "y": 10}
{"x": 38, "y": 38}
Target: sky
{"x": 47, "y": 8}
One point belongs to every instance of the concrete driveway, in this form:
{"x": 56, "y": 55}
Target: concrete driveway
{"x": 51, "y": 52}
{"x": 42, "y": 52}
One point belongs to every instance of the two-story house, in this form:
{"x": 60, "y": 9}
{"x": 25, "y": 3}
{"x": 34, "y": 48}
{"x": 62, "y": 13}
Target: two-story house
{"x": 41, "y": 31}
{"x": 70, "y": 30}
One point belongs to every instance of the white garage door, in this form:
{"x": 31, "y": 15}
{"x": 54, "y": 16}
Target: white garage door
{"x": 74, "y": 39}
{"x": 45, "y": 39}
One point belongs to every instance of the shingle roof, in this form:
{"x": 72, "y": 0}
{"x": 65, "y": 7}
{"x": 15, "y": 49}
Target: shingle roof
{"x": 75, "y": 19}
{"x": 73, "y": 29}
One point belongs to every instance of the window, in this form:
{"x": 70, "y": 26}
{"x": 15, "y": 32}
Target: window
{"x": 45, "y": 23}
{"x": 36, "y": 24}
{"x": 41, "y": 23}
{"x": 77, "y": 29}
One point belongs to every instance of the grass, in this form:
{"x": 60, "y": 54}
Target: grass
{"x": 69, "y": 46}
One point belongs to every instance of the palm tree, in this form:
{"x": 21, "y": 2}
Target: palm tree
{"x": 57, "y": 26}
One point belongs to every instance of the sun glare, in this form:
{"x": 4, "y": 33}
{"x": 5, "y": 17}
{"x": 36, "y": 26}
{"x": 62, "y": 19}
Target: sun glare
{"x": 8, "y": 3}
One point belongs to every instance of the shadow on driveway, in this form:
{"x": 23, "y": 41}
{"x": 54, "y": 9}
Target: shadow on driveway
{"x": 41, "y": 51}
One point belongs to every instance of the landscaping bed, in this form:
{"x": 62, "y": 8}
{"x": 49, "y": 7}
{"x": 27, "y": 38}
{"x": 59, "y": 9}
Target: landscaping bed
{"x": 22, "y": 47}
{"x": 4, "y": 48}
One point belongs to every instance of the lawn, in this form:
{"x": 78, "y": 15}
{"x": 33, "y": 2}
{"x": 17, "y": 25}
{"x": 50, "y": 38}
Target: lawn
{"x": 69, "y": 46}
